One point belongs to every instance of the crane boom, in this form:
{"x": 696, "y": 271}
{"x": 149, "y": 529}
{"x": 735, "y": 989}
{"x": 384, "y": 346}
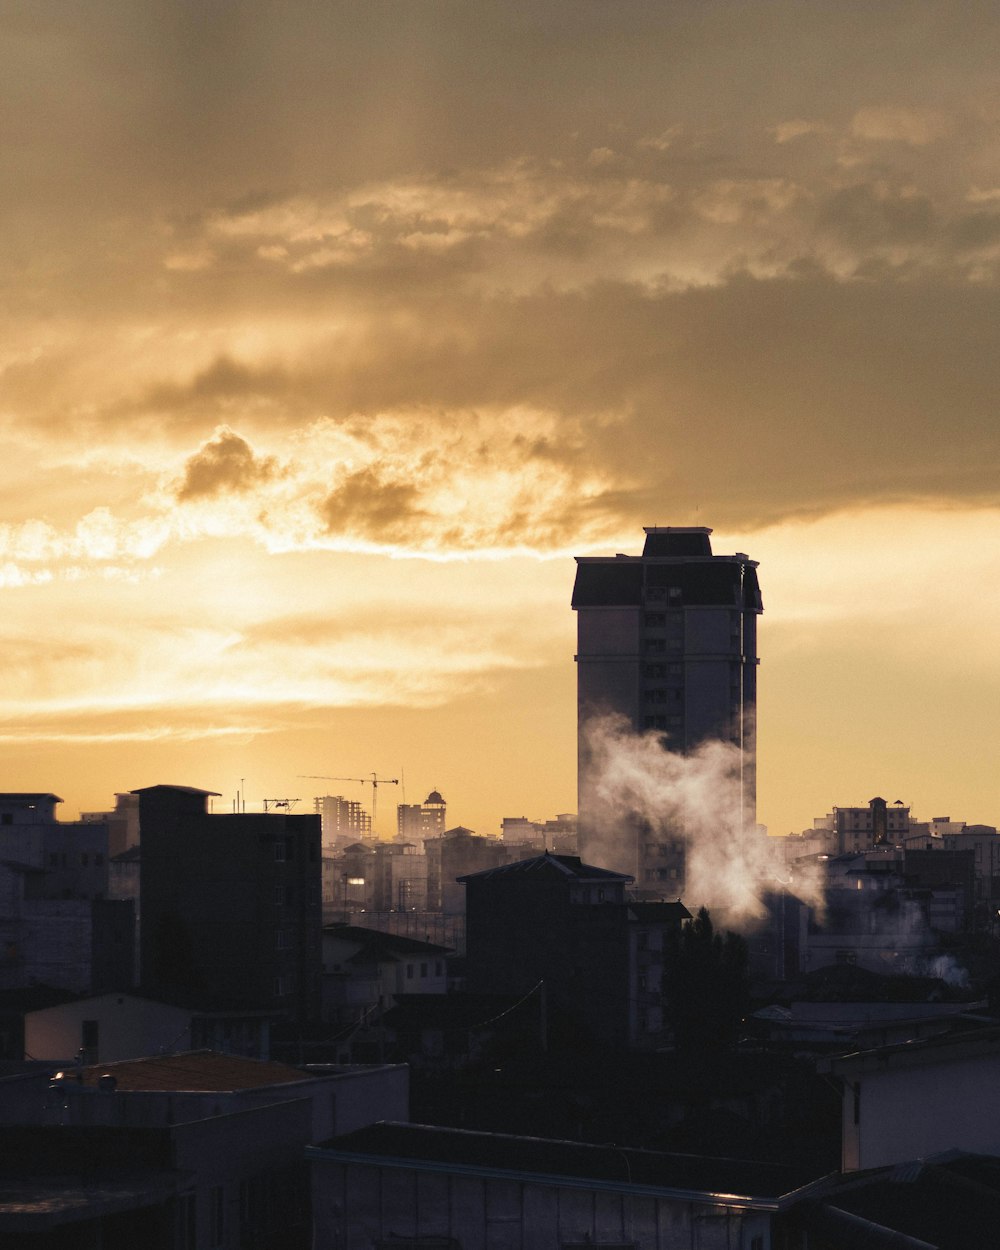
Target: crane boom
{"x": 374, "y": 781}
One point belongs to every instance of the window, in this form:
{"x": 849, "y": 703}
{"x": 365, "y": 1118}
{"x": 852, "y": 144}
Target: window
{"x": 187, "y": 1225}
{"x": 279, "y": 895}
{"x": 7, "y": 818}
{"x": 409, "y": 972}
{"x": 438, "y": 968}
{"x": 98, "y": 859}
{"x": 279, "y": 852}
{"x": 89, "y": 1038}
{"x": 423, "y": 970}
{"x": 216, "y": 1215}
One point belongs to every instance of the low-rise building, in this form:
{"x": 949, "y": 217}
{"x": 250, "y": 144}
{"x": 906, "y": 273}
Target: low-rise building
{"x": 396, "y": 1185}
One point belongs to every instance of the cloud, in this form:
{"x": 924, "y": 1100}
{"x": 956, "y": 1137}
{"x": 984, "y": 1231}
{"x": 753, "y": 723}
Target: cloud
{"x": 225, "y": 463}
{"x": 889, "y": 123}
{"x": 367, "y": 505}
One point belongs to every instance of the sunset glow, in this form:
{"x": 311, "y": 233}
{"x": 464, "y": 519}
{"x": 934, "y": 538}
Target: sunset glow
{"x": 331, "y": 333}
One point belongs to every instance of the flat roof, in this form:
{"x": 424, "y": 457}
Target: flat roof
{"x": 199, "y": 1071}
{"x": 735, "y": 1181}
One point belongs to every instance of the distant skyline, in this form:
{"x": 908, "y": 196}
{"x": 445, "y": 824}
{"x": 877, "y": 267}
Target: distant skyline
{"x": 330, "y": 334}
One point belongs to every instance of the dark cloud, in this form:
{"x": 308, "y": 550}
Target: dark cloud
{"x": 226, "y": 463}
{"x": 368, "y": 505}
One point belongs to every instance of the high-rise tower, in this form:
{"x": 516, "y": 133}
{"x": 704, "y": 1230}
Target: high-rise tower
{"x": 667, "y": 640}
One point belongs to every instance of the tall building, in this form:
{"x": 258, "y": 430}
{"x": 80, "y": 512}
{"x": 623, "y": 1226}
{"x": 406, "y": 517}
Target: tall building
{"x": 416, "y": 821}
{"x": 342, "y": 819}
{"x": 668, "y": 641}
{"x": 230, "y": 904}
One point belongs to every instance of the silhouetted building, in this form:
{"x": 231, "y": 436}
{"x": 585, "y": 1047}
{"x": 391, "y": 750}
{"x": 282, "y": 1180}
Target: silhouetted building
{"x": 400, "y": 877}
{"x": 557, "y": 835}
{"x": 558, "y": 921}
{"x": 668, "y": 641}
{"x": 230, "y": 904}
{"x": 416, "y": 821}
{"x": 342, "y": 818}
{"x": 456, "y": 852}
{"x": 57, "y": 924}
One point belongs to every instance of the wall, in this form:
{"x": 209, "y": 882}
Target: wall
{"x": 358, "y": 1204}
{"x": 128, "y": 1028}
{"x": 911, "y": 1112}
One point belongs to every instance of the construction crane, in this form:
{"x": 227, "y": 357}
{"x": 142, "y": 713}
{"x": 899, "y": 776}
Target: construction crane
{"x": 374, "y": 781}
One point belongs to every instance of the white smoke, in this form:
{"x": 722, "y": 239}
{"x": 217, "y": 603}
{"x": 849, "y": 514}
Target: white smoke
{"x": 633, "y": 786}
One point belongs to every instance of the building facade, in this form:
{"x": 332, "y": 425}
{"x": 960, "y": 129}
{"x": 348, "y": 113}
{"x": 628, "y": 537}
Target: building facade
{"x": 230, "y": 904}
{"x": 416, "y": 821}
{"x": 666, "y": 643}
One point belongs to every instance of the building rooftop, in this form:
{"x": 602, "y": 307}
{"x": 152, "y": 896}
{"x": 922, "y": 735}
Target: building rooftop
{"x": 203, "y": 1071}
{"x": 11, "y": 796}
{"x": 621, "y": 1167}
{"x": 377, "y": 946}
{"x": 568, "y": 866}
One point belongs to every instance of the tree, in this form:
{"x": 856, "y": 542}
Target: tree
{"x": 706, "y": 985}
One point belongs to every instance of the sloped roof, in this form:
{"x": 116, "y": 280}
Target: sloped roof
{"x": 377, "y": 946}
{"x": 567, "y": 866}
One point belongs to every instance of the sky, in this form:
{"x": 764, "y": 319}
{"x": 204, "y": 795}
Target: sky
{"x": 331, "y": 333}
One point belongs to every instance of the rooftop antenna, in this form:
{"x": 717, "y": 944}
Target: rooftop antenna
{"x": 284, "y": 804}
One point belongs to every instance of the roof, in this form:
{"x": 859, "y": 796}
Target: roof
{"x": 733, "y": 1180}
{"x": 179, "y": 789}
{"x": 377, "y": 945}
{"x": 940, "y": 1048}
{"x": 12, "y": 796}
{"x": 945, "y": 1202}
{"x": 128, "y": 856}
{"x": 566, "y": 866}
{"x": 657, "y": 913}
{"x": 196, "y": 1070}
{"x": 433, "y": 797}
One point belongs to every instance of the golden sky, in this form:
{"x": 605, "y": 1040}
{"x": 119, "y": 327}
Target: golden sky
{"x": 331, "y": 332}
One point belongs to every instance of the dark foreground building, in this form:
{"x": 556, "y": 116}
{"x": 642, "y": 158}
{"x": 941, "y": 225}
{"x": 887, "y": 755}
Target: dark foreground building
{"x": 230, "y": 904}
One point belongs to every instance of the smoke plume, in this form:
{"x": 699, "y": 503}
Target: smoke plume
{"x": 634, "y": 788}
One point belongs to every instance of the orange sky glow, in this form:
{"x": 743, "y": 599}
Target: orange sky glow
{"x": 331, "y": 333}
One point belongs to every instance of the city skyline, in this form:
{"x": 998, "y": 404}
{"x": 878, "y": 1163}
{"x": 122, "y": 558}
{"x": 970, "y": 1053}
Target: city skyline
{"x": 331, "y": 336}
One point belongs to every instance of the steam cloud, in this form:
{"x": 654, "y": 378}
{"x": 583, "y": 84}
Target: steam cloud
{"x": 632, "y": 783}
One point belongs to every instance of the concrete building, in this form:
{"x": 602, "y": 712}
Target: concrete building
{"x": 400, "y": 872}
{"x": 416, "y": 821}
{"x": 122, "y": 822}
{"x": 414, "y": 1185}
{"x": 456, "y": 852}
{"x": 343, "y": 820}
{"x": 107, "y": 1028}
{"x": 178, "y": 1151}
{"x": 920, "y": 1098}
{"x": 668, "y": 642}
{"x": 558, "y": 836}
{"x": 231, "y": 904}
{"x": 58, "y": 925}
{"x": 556, "y": 920}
